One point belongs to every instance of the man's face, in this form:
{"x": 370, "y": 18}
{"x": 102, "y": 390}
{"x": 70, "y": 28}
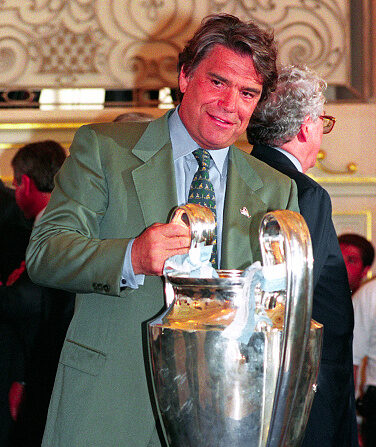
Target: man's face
{"x": 355, "y": 269}
{"x": 219, "y": 97}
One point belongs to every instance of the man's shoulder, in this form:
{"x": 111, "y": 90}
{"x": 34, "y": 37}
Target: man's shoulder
{"x": 307, "y": 187}
{"x": 281, "y": 163}
{"x": 302, "y": 180}
{"x": 306, "y": 184}
{"x": 313, "y": 199}
{"x": 117, "y": 132}
{"x": 261, "y": 168}
{"x": 126, "y": 133}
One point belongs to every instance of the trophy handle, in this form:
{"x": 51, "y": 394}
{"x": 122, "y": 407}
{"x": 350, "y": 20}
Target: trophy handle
{"x": 284, "y": 238}
{"x": 199, "y": 219}
{"x": 201, "y": 222}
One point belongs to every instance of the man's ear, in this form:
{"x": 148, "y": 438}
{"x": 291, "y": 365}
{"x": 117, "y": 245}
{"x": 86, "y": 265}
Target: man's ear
{"x": 183, "y": 80}
{"x": 28, "y": 184}
{"x": 304, "y": 130}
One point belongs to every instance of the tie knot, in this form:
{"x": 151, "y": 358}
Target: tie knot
{"x": 203, "y": 157}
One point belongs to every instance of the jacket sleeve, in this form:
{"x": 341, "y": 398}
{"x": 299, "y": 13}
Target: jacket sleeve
{"x": 66, "y": 248}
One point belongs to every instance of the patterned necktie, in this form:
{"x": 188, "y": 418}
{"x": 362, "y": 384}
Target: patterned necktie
{"x": 202, "y": 192}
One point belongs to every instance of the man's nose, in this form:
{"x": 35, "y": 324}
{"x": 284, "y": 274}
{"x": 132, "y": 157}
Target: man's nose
{"x": 229, "y": 100}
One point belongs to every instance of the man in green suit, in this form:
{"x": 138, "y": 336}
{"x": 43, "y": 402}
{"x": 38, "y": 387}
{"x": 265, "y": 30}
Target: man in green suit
{"x": 104, "y": 234}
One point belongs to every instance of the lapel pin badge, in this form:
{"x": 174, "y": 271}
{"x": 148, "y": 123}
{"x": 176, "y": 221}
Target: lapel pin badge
{"x": 245, "y": 212}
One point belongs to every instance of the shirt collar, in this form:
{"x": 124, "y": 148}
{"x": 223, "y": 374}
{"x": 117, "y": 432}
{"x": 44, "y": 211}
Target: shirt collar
{"x": 292, "y": 158}
{"x": 183, "y": 144}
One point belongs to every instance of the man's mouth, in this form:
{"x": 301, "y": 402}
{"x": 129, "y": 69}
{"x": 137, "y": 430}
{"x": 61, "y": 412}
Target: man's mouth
{"x": 222, "y": 121}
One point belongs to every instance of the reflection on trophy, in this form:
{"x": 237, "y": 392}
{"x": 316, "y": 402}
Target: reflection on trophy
{"x": 235, "y": 357}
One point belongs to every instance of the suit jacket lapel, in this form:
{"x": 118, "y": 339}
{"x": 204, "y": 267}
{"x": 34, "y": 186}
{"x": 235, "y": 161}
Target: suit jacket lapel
{"x": 155, "y": 179}
{"x": 240, "y": 245}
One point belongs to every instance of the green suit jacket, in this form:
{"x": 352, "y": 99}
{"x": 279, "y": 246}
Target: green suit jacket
{"x": 118, "y": 180}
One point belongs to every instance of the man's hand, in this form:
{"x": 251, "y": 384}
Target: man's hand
{"x": 156, "y": 244}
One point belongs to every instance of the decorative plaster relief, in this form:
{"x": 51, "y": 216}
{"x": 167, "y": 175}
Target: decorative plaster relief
{"x": 134, "y": 43}
{"x": 310, "y": 32}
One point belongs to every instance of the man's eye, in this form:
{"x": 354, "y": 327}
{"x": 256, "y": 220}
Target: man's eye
{"x": 216, "y": 82}
{"x": 248, "y": 94}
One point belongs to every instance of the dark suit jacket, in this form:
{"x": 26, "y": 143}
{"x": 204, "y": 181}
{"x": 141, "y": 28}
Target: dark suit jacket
{"x": 332, "y": 419}
{"x": 39, "y": 317}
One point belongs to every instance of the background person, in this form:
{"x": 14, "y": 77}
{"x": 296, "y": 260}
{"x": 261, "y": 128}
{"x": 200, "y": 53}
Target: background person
{"x": 15, "y": 232}
{"x": 364, "y": 301}
{"x": 103, "y": 235}
{"x": 38, "y": 315}
{"x": 358, "y": 254}
{"x": 286, "y": 130}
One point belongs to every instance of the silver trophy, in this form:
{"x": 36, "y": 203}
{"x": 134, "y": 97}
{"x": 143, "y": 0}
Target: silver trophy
{"x": 216, "y": 388}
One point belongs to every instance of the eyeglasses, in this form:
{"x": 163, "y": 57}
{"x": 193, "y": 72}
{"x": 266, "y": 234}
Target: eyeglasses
{"x": 327, "y": 123}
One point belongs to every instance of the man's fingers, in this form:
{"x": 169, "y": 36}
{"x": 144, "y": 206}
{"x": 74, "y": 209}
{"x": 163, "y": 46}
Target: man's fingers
{"x": 175, "y": 230}
{"x": 171, "y": 236}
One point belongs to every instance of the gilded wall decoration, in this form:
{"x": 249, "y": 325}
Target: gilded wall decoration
{"x": 135, "y": 43}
